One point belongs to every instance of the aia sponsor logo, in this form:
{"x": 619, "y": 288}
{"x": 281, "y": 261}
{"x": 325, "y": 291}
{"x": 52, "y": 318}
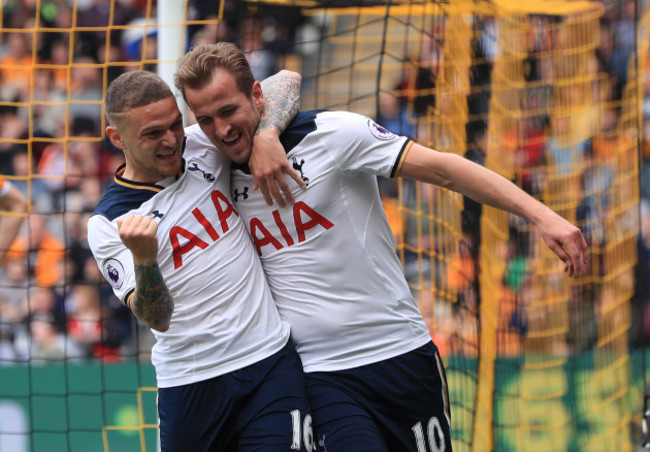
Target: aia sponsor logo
{"x": 277, "y": 235}
{"x": 183, "y": 240}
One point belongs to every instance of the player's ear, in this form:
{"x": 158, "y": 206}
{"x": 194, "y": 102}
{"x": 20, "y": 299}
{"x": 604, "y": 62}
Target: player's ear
{"x": 258, "y": 97}
{"x": 114, "y": 136}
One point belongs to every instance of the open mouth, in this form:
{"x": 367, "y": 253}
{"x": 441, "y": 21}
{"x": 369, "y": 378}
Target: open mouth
{"x": 166, "y": 155}
{"x": 232, "y": 139}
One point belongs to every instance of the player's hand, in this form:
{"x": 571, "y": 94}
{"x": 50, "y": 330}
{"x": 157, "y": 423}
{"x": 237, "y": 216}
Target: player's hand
{"x": 568, "y": 243}
{"x": 139, "y": 234}
{"x": 269, "y": 165}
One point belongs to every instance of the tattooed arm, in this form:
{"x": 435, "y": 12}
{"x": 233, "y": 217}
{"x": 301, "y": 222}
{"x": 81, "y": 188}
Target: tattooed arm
{"x": 281, "y": 100}
{"x": 151, "y": 302}
{"x": 268, "y": 162}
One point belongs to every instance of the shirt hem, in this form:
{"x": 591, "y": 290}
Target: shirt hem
{"x": 364, "y": 360}
{"x": 221, "y": 370}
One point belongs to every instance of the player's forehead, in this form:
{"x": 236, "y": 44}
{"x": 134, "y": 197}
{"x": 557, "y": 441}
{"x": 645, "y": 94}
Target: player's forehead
{"x": 220, "y": 89}
{"x": 162, "y": 113}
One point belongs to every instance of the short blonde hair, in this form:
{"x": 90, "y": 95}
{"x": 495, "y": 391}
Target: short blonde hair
{"x": 197, "y": 67}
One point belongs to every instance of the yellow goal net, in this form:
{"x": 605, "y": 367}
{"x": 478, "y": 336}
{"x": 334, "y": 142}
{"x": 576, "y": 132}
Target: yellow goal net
{"x": 535, "y": 360}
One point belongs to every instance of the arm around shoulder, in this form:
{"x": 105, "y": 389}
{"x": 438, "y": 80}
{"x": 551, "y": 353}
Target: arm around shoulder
{"x": 268, "y": 162}
{"x": 281, "y": 100}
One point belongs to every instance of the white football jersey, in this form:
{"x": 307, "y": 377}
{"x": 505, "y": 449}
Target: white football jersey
{"x": 224, "y": 317}
{"x": 330, "y": 259}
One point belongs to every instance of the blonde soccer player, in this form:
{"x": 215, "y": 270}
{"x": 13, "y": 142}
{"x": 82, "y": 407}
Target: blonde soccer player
{"x": 375, "y": 379}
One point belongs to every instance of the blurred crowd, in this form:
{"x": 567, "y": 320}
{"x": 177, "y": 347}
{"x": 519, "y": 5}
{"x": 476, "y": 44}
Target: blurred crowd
{"x": 572, "y": 145}
{"x": 54, "y": 302}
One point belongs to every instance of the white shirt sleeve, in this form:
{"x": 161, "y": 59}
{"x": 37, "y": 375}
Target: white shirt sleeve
{"x": 360, "y": 144}
{"x": 113, "y": 258}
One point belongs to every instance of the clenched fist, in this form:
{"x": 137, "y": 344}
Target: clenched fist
{"x": 139, "y": 234}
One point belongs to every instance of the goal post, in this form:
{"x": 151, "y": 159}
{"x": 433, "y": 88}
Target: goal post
{"x": 172, "y": 40}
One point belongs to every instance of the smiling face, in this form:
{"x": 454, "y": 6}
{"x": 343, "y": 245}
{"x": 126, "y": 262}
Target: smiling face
{"x": 151, "y": 137}
{"x": 226, "y": 115}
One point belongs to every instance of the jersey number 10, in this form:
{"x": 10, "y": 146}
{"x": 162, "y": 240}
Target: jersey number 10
{"x": 434, "y": 435}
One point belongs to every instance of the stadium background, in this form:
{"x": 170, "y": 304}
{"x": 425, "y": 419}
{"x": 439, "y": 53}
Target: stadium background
{"x": 551, "y": 94}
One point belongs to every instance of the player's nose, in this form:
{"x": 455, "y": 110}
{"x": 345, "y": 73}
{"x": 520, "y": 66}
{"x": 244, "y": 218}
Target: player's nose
{"x": 223, "y": 129}
{"x": 171, "y": 138}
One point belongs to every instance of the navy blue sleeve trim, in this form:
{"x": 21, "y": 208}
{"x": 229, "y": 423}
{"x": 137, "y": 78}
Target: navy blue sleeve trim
{"x": 398, "y": 161}
{"x": 126, "y": 298}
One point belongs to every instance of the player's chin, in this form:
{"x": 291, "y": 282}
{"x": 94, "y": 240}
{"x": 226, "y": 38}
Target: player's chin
{"x": 239, "y": 156}
{"x": 240, "y": 160}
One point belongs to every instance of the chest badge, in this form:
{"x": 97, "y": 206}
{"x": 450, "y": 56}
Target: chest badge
{"x": 298, "y": 167}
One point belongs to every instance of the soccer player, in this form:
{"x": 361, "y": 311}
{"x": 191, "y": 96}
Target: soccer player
{"x": 11, "y": 200}
{"x": 374, "y": 377}
{"x": 174, "y": 249}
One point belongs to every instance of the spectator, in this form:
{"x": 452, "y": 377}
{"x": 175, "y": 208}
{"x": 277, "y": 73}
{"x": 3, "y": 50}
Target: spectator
{"x": 16, "y": 68}
{"x": 13, "y": 202}
{"x": 15, "y": 284}
{"x": 12, "y": 128}
{"x": 41, "y": 305}
{"x": 59, "y": 57}
{"x": 212, "y": 32}
{"x": 14, "y": 288}
{"x": 86, "y": 94}
{"x": 43, "y": 250}
{"x": 19, "y": 164}
{"x": 429, "y": 65}
{"x": 261, "y": 60}
{"x": 48, "y": 343}
{"x": 393, "y": 114}
{"x": 85, "y": 322}
{"x": 98, "y": 15}
{"x": 49, "y": 105}
{"x": 138, "y": 41}
{"x": 566, "y": 156}
{"x": 108, "y": 53}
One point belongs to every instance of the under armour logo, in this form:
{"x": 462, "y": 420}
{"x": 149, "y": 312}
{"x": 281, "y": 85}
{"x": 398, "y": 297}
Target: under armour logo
{"x": 207, "y": 176}
{"x": 157, "y": 214}
{"x": 243, "y": 194}
{"x": 298, "y": 167}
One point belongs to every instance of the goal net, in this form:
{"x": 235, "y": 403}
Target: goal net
{"x": 535, "y": 360}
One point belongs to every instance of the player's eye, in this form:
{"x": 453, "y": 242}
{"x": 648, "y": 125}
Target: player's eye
{"x": 228, "y": 111}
